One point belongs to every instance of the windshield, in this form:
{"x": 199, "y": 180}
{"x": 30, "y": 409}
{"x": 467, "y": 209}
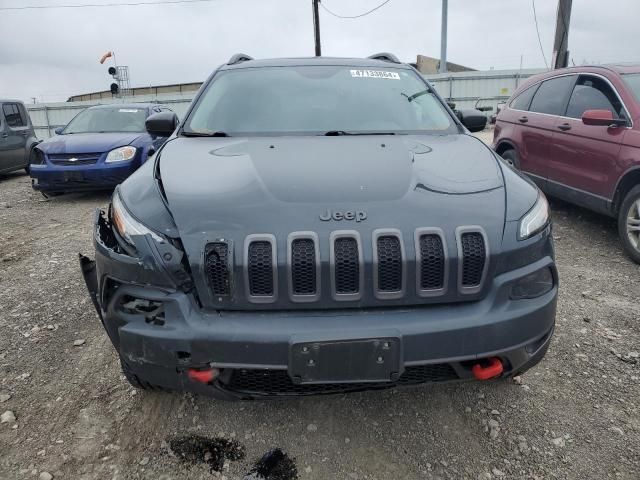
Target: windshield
{"x": 102, "y": 120}
{"x": 633, "y": 83}
{"x": 316, "y": 100}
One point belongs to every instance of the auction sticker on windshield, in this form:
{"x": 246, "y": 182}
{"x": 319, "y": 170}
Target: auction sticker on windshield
{"x": 375, "y": 74}
{"x": 128, "y": 110}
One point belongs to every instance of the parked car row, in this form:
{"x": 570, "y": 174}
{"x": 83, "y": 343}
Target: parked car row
{"x": 576, "y": 133}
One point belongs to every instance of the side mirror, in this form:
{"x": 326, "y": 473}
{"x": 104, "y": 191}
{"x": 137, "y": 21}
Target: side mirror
{"x": 602, "y": 118}
{"x": 473, "y": 119}
{"x": 58, "y": 131}
{"x": 161, "y": 124}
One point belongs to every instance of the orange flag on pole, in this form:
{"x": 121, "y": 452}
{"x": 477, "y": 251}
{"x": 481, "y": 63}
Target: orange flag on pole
{"x": 105, "y": 56}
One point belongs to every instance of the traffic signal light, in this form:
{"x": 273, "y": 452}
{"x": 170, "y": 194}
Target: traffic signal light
{"x": 115, "y": 87}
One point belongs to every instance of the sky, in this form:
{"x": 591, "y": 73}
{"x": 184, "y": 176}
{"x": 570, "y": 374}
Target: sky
{"x": 51, "y": 54}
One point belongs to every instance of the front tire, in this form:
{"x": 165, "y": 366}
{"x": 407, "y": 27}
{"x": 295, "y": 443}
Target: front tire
{"x": 629, "y": 223}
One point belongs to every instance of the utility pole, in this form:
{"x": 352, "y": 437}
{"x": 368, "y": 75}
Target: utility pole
{"x": 316, "y": 27}
{"x": 443, "y": 38}
{"x": 560, "y": 58}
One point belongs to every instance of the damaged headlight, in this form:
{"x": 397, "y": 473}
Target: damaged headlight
{"x": 535, "y": 219}
{"x": 125, "y": 224}
{"x": 121, "y": 154}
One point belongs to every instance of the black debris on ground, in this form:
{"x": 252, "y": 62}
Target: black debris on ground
{"x": 213, "y": 451}
{"x": 274, "y": 465}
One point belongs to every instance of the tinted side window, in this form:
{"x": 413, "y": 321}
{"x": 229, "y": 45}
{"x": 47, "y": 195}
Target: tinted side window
{"x": 522, "y": 101}
{"x": 551, "y": 97}
{"x": 12, "y": 115}
{"x": 593, "y": 93}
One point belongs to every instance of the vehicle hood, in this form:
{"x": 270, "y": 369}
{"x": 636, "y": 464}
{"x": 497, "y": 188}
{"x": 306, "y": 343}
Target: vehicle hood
{"x": 218, "y": 186}
{"x": 89, "y": 142}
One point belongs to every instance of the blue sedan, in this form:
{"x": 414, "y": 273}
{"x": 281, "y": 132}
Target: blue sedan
{"x": 97, "y": 150}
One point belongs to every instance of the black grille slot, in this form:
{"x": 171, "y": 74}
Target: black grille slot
{"x": 431, "y": 262}
{"x": 260, "y": 268}
{"x": 303, "y": 266}
{"x": 389, "y": 263}
{"x": 347, "y": 266}
{"x": 217, "y": 267}
{"x": 278, "y": 382}
{"x": 473, "y": 258}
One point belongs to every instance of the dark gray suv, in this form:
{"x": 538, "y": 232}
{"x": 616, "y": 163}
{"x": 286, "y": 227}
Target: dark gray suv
{"x": 322, "y": 225}
{"x": 16, "y": 136}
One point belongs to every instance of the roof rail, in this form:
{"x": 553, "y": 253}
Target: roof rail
{"x": 239, "y": 57}
{"x": 385, "y": 57}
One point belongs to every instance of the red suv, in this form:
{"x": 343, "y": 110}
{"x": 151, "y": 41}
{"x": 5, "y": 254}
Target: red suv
{"x": 576, "y": 133}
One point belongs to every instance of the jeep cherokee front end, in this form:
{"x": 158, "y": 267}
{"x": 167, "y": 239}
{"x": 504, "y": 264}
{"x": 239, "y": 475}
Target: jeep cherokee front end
{"x": 319, "y": 226}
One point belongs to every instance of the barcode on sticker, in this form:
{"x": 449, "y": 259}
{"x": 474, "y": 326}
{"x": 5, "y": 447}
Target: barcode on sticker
{"x": 375, "y": 74}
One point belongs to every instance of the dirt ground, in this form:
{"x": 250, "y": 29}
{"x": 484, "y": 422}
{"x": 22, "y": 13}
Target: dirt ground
{"x": 575, "y": 416}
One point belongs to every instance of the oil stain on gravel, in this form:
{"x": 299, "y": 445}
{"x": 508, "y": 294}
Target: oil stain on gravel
{"x": 274, "y": 465}
{"x": 213, "y": 451}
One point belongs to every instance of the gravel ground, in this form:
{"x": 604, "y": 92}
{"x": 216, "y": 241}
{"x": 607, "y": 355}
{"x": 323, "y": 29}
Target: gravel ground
{"x": 73, "y": 416}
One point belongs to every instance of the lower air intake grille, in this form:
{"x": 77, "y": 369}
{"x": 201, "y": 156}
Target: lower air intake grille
{"x": 473, "y": 258}
{"x": 217, "y": 267}
{"x": 389, "y": 263}
{"x": 260, "y": 259}
{"x": 278, "y": 382}
{"x": 347, "y": 266}
{"x": 431, "y": 262}
{"x": 303, "y": 266}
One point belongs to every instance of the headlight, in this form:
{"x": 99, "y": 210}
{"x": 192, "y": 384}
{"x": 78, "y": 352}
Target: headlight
{"x": 36, "y": 157}
{"x": 125, "y": 224}
{"x": 533, "y": 285}
{"x": 535, "y": 220}
{"x": 121, "y": 154}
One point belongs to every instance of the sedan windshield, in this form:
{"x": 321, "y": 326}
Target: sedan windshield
{"x": 102, "y": 120}
{"x": 633, "y": 82}
{"x": 334, "y": 100}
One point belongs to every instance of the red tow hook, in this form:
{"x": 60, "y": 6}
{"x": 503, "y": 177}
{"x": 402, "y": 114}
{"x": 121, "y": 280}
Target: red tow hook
{"x": 491, "y": 369}
{"x": 203, "y": 376}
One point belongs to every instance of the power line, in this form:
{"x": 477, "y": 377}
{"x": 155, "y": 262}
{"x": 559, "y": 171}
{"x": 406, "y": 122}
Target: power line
{"x": 535, "y": 17}
{"x": 354, "y": 16}
{"x": 85, "y": 5}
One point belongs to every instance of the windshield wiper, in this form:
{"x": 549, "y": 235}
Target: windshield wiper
{"x": 199, "y": 134}
{"x": 339, "y": 133}
{"x": 415, "y": 95}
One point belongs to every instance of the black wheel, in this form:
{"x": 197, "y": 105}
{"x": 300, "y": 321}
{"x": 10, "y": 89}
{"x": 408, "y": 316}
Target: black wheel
{"x": 511, "y": 157}
{"x": 629, "y": 223}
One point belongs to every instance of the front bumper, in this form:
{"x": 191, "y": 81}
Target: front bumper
{"x": 253, "y": 349}
{"x": 91, "y": 177}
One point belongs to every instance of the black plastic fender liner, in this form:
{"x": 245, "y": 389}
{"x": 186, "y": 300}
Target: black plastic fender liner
{"x": 88, "y": 268}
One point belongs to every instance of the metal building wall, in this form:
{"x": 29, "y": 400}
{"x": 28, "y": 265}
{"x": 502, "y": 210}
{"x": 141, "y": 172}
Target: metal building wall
{"x": 487, "y": 88}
